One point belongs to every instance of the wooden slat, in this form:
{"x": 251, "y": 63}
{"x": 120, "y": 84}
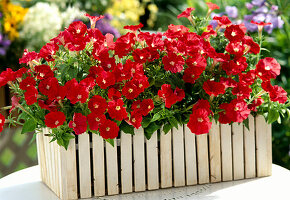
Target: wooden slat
{"x": 152, "y": 162}
{"x": 202, "y": 158}
{"x": 68, "y": 171}
{"x": 215, "y": 153}
{"x": 166, "y": 159}
{"x": 112, "y": 168}
{"x": 41, "y": 155}
{"x": 178, "y": 157}
{"x": 139, "y": 160}
{"x": 99, "y": 165}
{"x": 53, "y": 165}
{"x": 190, "y": 156}
{"x": 55, "y": 147}
{"x": 48, "y": 161}
{"x": 226, "y": 150}
{"x": 126, "y": 163}
{"x": 263, "y": 147}
{"x": 84, "y": 166}
{"x": 238, "y": 151}
{"x": 249, "y": 149}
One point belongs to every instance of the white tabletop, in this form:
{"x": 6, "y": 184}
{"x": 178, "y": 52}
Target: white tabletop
{"x": 26, "y": 185}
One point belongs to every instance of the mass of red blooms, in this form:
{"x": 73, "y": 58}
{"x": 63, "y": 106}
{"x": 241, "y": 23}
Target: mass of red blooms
{"x": 105, "y": 82}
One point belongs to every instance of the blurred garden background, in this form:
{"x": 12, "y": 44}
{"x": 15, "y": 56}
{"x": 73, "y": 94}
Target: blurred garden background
{"x": 30, "y": 24}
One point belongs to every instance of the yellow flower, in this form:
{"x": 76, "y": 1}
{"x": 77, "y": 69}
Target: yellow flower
{"x": 13, "y": 16}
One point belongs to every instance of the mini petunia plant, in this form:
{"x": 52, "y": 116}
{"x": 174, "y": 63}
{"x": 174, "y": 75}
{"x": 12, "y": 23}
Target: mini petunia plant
{"x": 83, "y": 81}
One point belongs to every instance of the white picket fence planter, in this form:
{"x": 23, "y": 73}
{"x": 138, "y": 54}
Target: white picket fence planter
{"x": 91, "y": 167}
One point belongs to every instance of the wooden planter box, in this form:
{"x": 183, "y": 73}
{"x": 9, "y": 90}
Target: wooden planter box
{"x": 91, "y": 167}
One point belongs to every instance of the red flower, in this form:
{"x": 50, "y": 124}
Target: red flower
{"x": 199, "y": 122}
{"x": 204, "y": 104}
{"x": 52, "y": 106}
{"x": 213, "y": 88}
{"x": 15, "y": 103}
{"x": 43, "y": 72}
{"x": 47, "y": 86}
{"x": 268, "y": 68}
{"x": 94, "y": 19}
{"x": 117, "y": 110}
{"x": 98, "y": 105}
{"x": 88, "y": 83}
{"x": 54, "y": 119}
{"x": 186, "y": 13}
{"x": 223, "y": 21}
{"x": 76, "y": 92}
{"x": 94, "y": 120}
{"x": 228, "y": 82}
{"x": 146, "y": 106}
{"x": 6, "y": 76}
{"x": 134, "y": 28}
{"x": 167, "y": 94}
{"x": 109, "y": 129}
{"x": 179, "y": 93}
{"x": 2, "y": 121}
{"x": 173, "y": 62}
{"x": 261, "y": 25}
{"x": 236, "y": 66}
{"x": 130, "y": 90}
{"x": 212, "y": 6}
{"x": 27, "y": 83}
{"x": 113, "y": 94}
{"x": 77, "y": 28}
{"x": 141, "y": 81}
{"x": 235, "y": 48}
{"x": 29, "y": 57}
{"x": 105, "y": 79}
{"x": 48, "y": 50}
{"x": 235, "y": 111}
{"x": 266, "y": 85}
{"x": 209, "y": 32}
{"x": 257, "y": 102}
{"x": 135, "y": 120}
{"x": 242, "y": 91}
{"x": 31, "y": 96}
{"x": 19, "y": 73}
{"x": 278, "y": 94}
{"x": 79, "y": 123}
{"x": 250, "y": 45}
{"x": 234, "y": 33}
{"x": 248, "y": 78}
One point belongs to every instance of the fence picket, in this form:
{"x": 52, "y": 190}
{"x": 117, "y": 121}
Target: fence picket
{"x": 126, "y": 162}
{"x": 112, "y": 169}
{"x": 215, "y": 153}
{"x": 166, "y": 159}
{"x": 238, "y": 151}
{"x": 226, "y": 152}
{"x": 152, "y": 162}
{"x": 250, "y": 148}
{"x": 202, "y": 158}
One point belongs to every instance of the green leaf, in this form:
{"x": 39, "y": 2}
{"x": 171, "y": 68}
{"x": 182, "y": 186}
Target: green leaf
{"x": 29, "y": 126}
{"x": 145, "y": 122}
{"x": 246, "y": 123}
{"x": 173, "y": 122}
{"x": 166, "y": 128}
{"x": 149, "y": 130}
{"x": 111, "y": 141}
{"x": 272, "y": 116}
{"x": 126, "y": 128}
{"x": 156, "y": 117}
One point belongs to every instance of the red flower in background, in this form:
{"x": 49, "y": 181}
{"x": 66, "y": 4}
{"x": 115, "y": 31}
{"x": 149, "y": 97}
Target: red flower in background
{"x": 213, "y": 88}
{"x": 27, "y": 83}
{"x": 79, "y": 123}
{"x": 256, "y": 102}
{"x": 43, "y": 72}
{"x": 212, "y": 6}
{"x": 109, "y": 129}
{"x": 250, "y": 45}
{"x": 2, "y": 121}
{"x": 223, "y": 21}
{"x": 94, "y": 120}
{"x": 186, "y": 13}
{"x": 94, "y": 19}
{"x": 31, "y": 96}
{"x": 98, "y": 105}
{"x": 248, "y": 78}
{"x": 235, "y": 48}
{"x": 173, "y": 62}
{"x": 134, "y": 28}
{"x": 268, "y": 68}
{"x": 14, "y": 103}
{"x": 199, "y": 122}
{"x": 54, "y": 119}
{"x": 209, "y": 32}
{"x": 234, "y": 33}
{"x": 117, "y": 110}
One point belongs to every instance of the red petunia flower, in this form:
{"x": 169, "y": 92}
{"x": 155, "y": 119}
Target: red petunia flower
{"x": 268, "y": 68}
{"x": 114, "y": 94}
{"x": 89, "y": 83}
{"x": 235, "y": 48}
{"x": 235, "y": 111}
{"x": 94, "y": 120}
{"x": 29, "y": 57}
{"x": 179, "y": 93}
{"x": 223, "y": 21}
{"x": 54, "y": 119}
{"x": 117, "y": 110}
{"x": 199, "y": 122}
{"x": 209, "y": 32}
{"x": 134, "y": 28}
{"x": 52, "y": 106}
{"x": 130, "y": 90}
{"x": 105, "y": 79}
{"x": 7, "y": 76}
{"x": 76, "y": 92}
{"x": 278, "y": 94}
{"x": 236, "y": 66}
{"x": 257, "y": 102}
{"x": 19, "y": 73}
{"x": 79, "y": 123}
{"x": 14, "y": 103}
{"x": 109, "y": 129}
{"x": 204, "y": 104}
{"x": 173, "y": 62}
{"x": 167, "y": 94}
{"x": 228, "y": 82}
{"x": 146, "y": 106}
{"x": 261, "y": 25}
{"x": 135, "y": 120}
{"x": 248, "y": 78}
{"x": 77, "y": 28}
{"x": 266, "y": 85}
{"x": 31, "y": 96}
{"x": 48, "y": 50}
{"x": 43, "y": 72}
{"x": 250, "y": 45}
{"x": 234, "y": 33}
{"x": 98, "y": 105}
{"x": 213, "y": 88}
{"x": 2, "y": 121}
{"x": 27, "y": 83}
{"x": 242, "y": 91}
{"x": 94, "y": 19}
{"x": 212, "y": 6}
{"x": 186, "y": 13}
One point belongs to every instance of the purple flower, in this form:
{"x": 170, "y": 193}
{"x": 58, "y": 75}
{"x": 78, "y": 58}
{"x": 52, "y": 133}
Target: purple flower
{"x": 232, "y": 11}
{"x": 250, "y": 27}
{"x": 214, "y": 23}
{"x": 4, "y": 44}
{"x": 259, "y": 17}
{"x": 105, "y": 27}
{"x": 258, "y": 3}
{"x": 262, "y": 9}
{"x": 274, "y": 8}
{"x": 249, "y": 6}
